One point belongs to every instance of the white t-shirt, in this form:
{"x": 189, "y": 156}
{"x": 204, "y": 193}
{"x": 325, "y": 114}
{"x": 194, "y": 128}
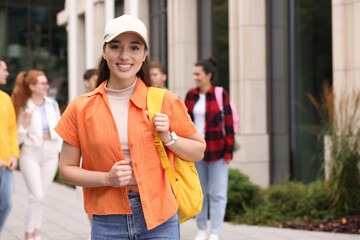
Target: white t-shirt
{"x": 199, "y": 113}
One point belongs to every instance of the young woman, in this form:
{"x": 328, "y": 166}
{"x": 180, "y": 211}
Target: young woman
{"x": 125, "y": 186}
{"x": 37, "y": 116}
{"x": 217, "y": 129}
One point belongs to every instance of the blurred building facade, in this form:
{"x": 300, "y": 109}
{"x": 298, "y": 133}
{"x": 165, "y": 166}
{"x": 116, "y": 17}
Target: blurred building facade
{"x": 31, "y": 39}
{"x": 272, "y": 53}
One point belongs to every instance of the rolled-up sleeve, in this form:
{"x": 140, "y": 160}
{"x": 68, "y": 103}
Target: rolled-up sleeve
{"x": 67, "y": 127}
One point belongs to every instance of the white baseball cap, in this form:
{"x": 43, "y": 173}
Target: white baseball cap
{"x": 122, "y": 24}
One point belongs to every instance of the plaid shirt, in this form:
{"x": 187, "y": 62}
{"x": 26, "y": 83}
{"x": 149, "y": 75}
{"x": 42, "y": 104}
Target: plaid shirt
{"x": 217, "y": 145}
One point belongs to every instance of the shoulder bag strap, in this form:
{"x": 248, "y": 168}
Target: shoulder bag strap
{"x": 154, "y": 100}
{"x": 219, "y": 97}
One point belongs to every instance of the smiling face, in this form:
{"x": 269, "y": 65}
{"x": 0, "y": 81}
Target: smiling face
{"x": 124, "y": 56}
{"x": 201, "y": 78}
{"x": 41, "y": 87}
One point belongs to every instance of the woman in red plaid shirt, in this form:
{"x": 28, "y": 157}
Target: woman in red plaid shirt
{"x": 217, "y": 129}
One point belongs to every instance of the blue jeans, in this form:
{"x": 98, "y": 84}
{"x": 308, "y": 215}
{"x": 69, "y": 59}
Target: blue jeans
{"x": 7, "y": 186}
{"x": 122, "y": 226}
{"x": 214, "y": 181}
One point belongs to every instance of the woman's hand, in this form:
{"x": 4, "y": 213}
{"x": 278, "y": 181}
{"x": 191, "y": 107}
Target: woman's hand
{"x": 27, "y": 117}
{"x": 190, "y": 149}
{"x": 2, "y": 164}
{"x": 12, "y": 164}
{"x": 161, "y": 125}
{"x": 119, "y": 174}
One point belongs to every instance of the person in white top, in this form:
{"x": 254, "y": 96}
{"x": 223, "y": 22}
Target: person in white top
{"x": 37, "y": 116}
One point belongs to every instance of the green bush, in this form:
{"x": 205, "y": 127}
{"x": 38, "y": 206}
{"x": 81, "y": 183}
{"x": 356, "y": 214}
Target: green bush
{"x": 287, "y": 202}
{"x": 316, "y": 202}
{"x": 341, "y": 117}
{"x": 241, "y": 193}
{"x": 276, "y": 204}
{"x": 344, "y": 177}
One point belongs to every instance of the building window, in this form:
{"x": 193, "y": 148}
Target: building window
{"x": 30, "y": 39}
{"x": 279, "y": 89}
{"x": 311, "y": 65}
{"x": 221, "y": 41}
{"x": 119, "y": 8}
{"x": 158, "y": 30}
{"x": 213, "y": 36}
{"x": 206, "y": 38}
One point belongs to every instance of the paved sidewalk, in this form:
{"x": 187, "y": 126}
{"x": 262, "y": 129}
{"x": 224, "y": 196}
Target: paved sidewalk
{"x": 64, "y": 219}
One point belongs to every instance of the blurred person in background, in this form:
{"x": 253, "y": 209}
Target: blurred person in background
{"x": 157, "y": 75}
{"x": 217, "y": 129}
{"x": 9, "y": 149}
{"x": 37, "y": 116}
{"x": 90, "y": 79}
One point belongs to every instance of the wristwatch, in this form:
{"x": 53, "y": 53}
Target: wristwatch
{"x": 173, "y": 140}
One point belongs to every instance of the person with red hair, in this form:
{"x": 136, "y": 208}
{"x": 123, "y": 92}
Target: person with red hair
{"x": 37, "y": 116}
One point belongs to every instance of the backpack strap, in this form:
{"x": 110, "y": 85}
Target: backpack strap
{"x": 154, "y": 101}
{"x": 219, "y": 97}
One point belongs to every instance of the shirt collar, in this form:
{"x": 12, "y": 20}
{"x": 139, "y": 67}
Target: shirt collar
{"x": 211, "y": 90}
{"x": 30, "y": 103}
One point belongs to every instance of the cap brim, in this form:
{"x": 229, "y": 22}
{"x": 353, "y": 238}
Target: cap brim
{"x": 109, "y": 39}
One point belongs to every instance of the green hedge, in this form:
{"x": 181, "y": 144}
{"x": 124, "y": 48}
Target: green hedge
{"x": 241, "y": 193}
{"x": 289, "y": 201}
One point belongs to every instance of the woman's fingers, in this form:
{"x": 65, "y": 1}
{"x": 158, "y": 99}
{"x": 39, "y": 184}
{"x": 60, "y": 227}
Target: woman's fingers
{"x": 161, "y": 122}
{"x": 120, "y": 174}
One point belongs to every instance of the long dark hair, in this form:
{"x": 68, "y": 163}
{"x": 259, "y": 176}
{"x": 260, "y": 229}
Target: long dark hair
{"x": 209, "y": 66}
{"x": 103, "y": 70}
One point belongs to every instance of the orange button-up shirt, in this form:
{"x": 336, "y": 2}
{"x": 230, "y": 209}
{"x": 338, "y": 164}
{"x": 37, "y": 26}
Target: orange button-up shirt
{"x": 88, "y": 124}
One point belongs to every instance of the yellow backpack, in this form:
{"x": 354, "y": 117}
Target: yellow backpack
{"x": 185, "y": 184}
